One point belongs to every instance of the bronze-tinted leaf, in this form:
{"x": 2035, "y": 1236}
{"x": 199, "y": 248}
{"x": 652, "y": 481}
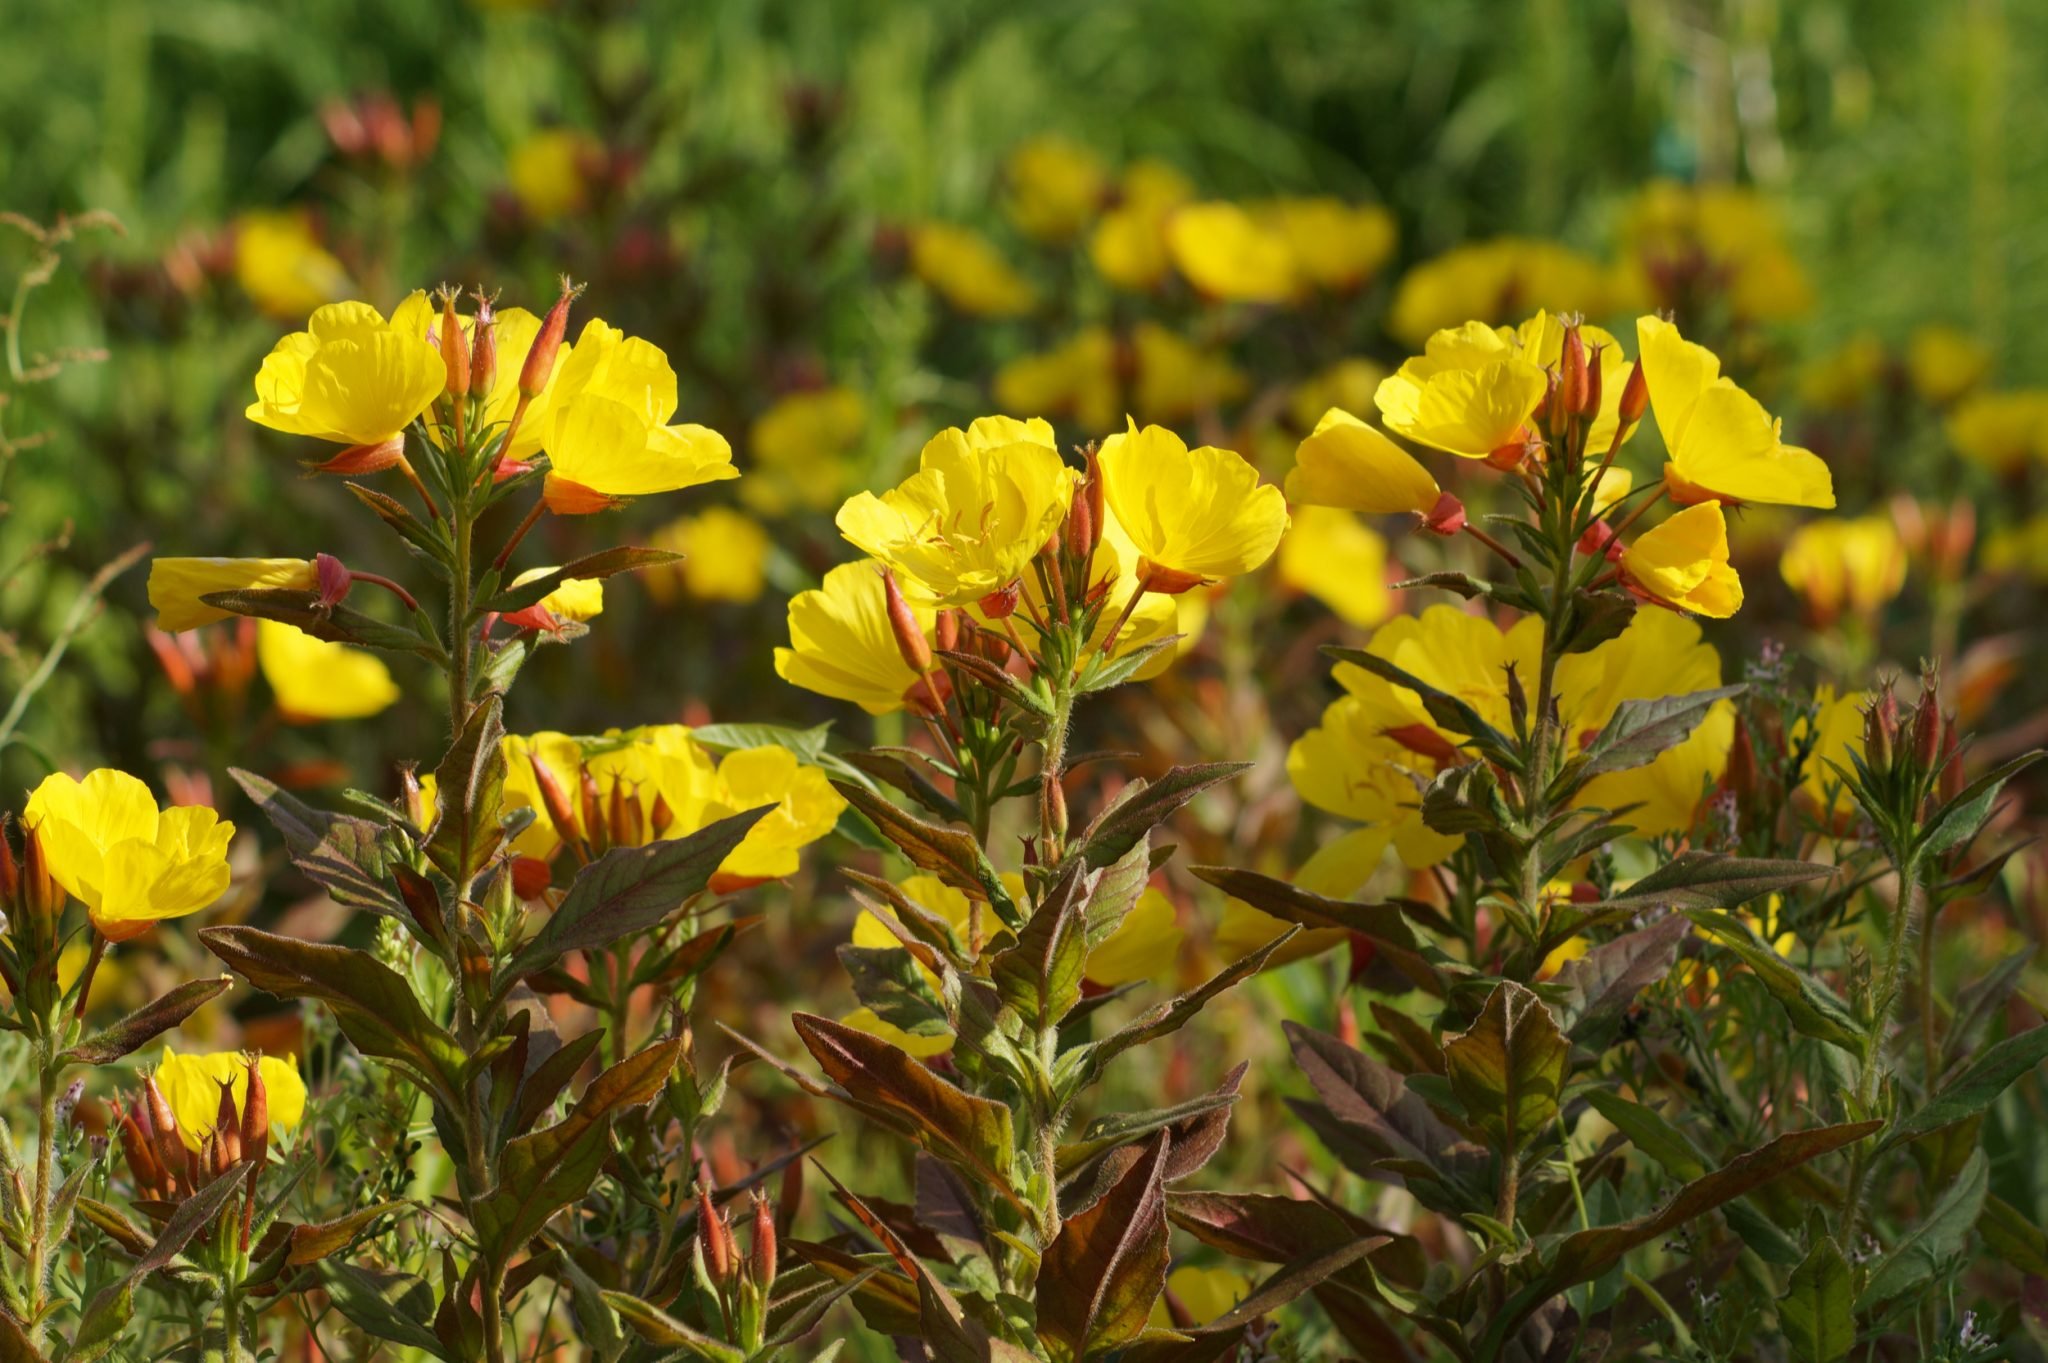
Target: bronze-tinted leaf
{"x": 470, "y": 784}
{"x": 1143, "y": 805}
{"x": 1102, "y": 1272}
{"x": 1509, "y": 1068}
{"x": 147, "y": 1022}
{"x": 947, "y": 852}
{"x": 310, "y": 1244}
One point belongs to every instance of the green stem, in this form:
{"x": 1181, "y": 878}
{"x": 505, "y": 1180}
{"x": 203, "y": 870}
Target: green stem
{"x": 46, "y": 1159}
{"x": 1874, "y": 1070}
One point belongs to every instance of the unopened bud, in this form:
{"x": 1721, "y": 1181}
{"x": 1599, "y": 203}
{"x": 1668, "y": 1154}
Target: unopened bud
{"x": 483, "y": 350}
{"x": 255, "y": 1128}
{"x": 1082, "y": 530}
{"x": 454, "y": 347}
{"x": 10, "y": 872}
{"x": 531, "y": 877}
{"x": 1512, "y": 455}
{"x": 1571, "y": 372}
{"x": 910, "y": 641}
{"x": 628, "y": 823}
{"x": 946, "y": 631}
{"x": 540, "y": 359}
{"x": 660, "y": 818}
{"x": 1001, "y": 603}
{"x": 41, "y": 896}
{"x": 1949, "y": 783}
{"x": 1635, "y": 396}
{"x": 592, "y": 801}
{"x": 554, "y": 800}
{"x": 716, "y": 1238}
{"x": 1927, "y": 724}
{"x": 135, "y": 1149}
{"x": 360, "y": 459}
{"x": 227, "y": 1129}
{"x": 1600, "y": 539}
{"x": 334, "y": 580}
{"x": 763, "y": 1264}
{"x": 163, "y": 1128}
{"x": 1096, "y": 493}
{"x": 1589, "y": 403}
{"x": 1880, "y": 728}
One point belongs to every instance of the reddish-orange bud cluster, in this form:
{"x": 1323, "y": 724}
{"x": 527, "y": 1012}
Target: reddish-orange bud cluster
{"x": 483, "y": 347}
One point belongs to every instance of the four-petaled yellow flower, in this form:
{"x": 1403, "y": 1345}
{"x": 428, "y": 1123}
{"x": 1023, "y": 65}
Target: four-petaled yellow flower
{"x": 1684, "y": 563}
{"x": 604, "y": 425}
{"x": 840, "y": 643}
{"x": 981, "y": 505}
{"x": 314, "y": 679}
{"x": 965, "y": 269}
{"x": 1471, "y": 392}
{"x": 191, "y": 1084}
{"x": 177, "y": 584}
{"x": 130, "y": 863}
{"x": 1191, "y": 515}
{"x": 350, "y": 377}
{"x": 1347, "y": 464}
{"x": 1723, "y": 445}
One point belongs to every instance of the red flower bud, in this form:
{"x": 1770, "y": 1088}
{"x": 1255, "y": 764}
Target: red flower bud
{"x": 1447, "y": 517}
{"x": 163, "y": 1130}
{"x": 1635, "y": 396}
{"x": 227, "y": 1130}
{"x": 554, "y": 800}
{"x": 763, "y": 1264}
{"x": 540, "y": 359}
{"x": 1600, "y": 539}
{"x": 1589, "y": 402}
{"x": 910, "y": 641}
{"x": 358, "y": 459}
{"x": 1001, "y": 603}
{"x": 454, "y": 347}
{"x": 483, "y": 356}
{"x": 1154, "y": 577}
{"x": 1928, "y": 725}
{"x": 135, "y": 1148}
{"x": 531, "y": 877}
{"x": 946, "y": 631}
{"x": 1571, "y": 371}
{"x": 716, "y": 1237}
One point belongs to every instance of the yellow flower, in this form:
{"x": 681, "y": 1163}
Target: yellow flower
{"x": 191, "y": 1084}
{"x": 840, "y": 644}
{"x": 2001, "y": 431}
{"x": 314, "y": 679}
{"x": 1128, "y": 246}
{"x": 1227, "y": 253}
{"x": 1353, "y": 766}
{"x": 1684, "y": 563}
{"x": 562, "y": 757}
{"x": 1170, "y": 379}
{"x": 1346, "y": 463}
{"x": 806, "y": 808}
{"x": 176, "y": 584}
{"x": 2022, "y": 548}
{"x": 1541, "y": 339}
{"x": 1143, "y": 947}
{"x": 977, "y": 511}
{"x": 1493, "y": 281}
{"x": 1945, "y": 362}
{"x": 350, "y": 377}
{"x": 1835, "y": 733}
{"x": 281, "y": 265}
{"x": 1191, "y": 514}
{"x": 512, "y": 331}
{"x": 1471, "y": 392}
{"x": 1339, "y": 560}
{"x": 1723, "y": 445}
{"x": 1856, "y": 564}
{"x": 1728, "y": 233}
{"x": 799, "y": 447}
{"x": 548, "y": 172}
{"x": 725, "y": 556}
{"x": 1056, "y": 188}
{"x": 129, "y": 863}
{"x": 1335, "y": 245}
{"x": 1077, "y": 379}
{"x": 1177, "y": 380}
{"x": 1204, "y": 1293}
{"x": 576, "y": 599}
{"x": 604, "y": 424}
{"x": 964, "y": 268}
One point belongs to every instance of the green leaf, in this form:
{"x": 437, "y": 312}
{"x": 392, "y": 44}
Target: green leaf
{"x": 348, "y": 857}
{"x": 1509, "y": 1068}
{"x": 1647, "y": 1130}
{"x": 145, "y": 1023}
{"x": 1927, "y": 1249}
{"x": 1599, "y": 986}
{"x": 623, "y": 558}
{"x": 664, "y": 1331}
{"x": 1594, "y": 619}
{"x": 887, "y": 980}
{"x": 952, "y": 854}
{"x": 1818, "y": 1313}
{"x": 470, "y": 784}
{"x": 1143, "y": 805}
{"x": 1465, "y": 799}
{"x": 2010, "y": 1236}
{"x": 1977, "y": 1087}
{"x": 544, "y": 1171}
{"x": 387, "y": 1306}
{"x": 1813, "y": 1008}
{"x": 1164, "y": 1019}
{"x": 972, "y": 1134}
{"x": 1642, "y": 730}
{"x": 374, "y": 1005}
{"x": 1040, "y": 977}
{"x": 1711, "y": 880}
{"x": 1448, "y": 711}
{"x": 335, "y": 624}
{"x": 628, "y": 890}
{"x": 1958, "y": 821}
{"x": 1102, "y": 1272}
{"x": 106, "y": 1316}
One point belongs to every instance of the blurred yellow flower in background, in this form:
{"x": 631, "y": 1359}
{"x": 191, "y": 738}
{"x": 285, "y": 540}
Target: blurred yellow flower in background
{"x": 1191, "y": 515}
{"x": 281, "y": 265}
{"x": 1348, "y": 383}
{"x": 1204, "y": 1293}
{"x": 1854, "y": 563}
{"x": 1496, "y": 280}
{"x": 1227, "y": 253}
{"x": 176, "y": 584}
{"x": 549, "y": 172}
{"x": 1056, "y": 187}
{"x": 191, "y": 1084}
{"x": 1145, "y": 946}
{"x": 964, "y": 268}
{"x": 1341, "y": 561}
{"x": 840, "y": 644}
{"x": 725, "y": 557}
{"x": 979, "y": 508}
{"x": 1944, "y": 362}
{"x": 313, "y": 679}
{"x": 1346, "y": 463}
{"x": 1844, "y": 377}
{"x": 349, "y": 377}
{"x": 1335, "y": 245}
{"x": 2001, "y": 431}
{"x": 1094, "y": 380}
{"x": 576, "y": 598}
{"x": 798, "y": 450}
{"x": 129, "y": 863}
{"x": 1128, "y": 247}
{"x": 1835, "y": 732}
{"x": 1728, "y": 234}
{"x": 1684, "y": 563}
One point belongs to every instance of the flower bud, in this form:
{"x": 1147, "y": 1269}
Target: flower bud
{"x": 1512, "y": 455}
{"x": 531, "y": 877}
{"x": 716, "y": 1237}
{"x": 540, "y": 359}
{"x": 946, "y": 631}
{"x": 359, "y": 459}
{"x": 483, "y": 353}
{"x": 10, "y": 873}
{"x": 255, "y": 1126}
{"x": 1589, "y": 401}
{"x": 1635, "y": 396}
{"x": 163, "y": 1128}
{"x": 628, "y": 823}
{"x": 135, "y": 1149}
{"x": 1949, "y": 783}
{"x": 1928, "y": 725}
{"x": 660, "y": 818}
{"x": 763, "y": 1258}
{"x": 454, "y": 347}
{"x": 42, "y": 898}
{"x": 595, "y": 825}
{"x": 1156, "y": 577}
{"x": 1571, "y": 371}
{"x": 1600, "y": 539}
{"x": 333, "y": 578}
{"x": 1001, "y": 603}
{"x": 1880, "y": 728}
{"x": 227, "y": 1129}
{"x": 910, "y": 640}
{"x": 554, "y": 800}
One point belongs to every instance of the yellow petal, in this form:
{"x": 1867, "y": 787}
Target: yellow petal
{"x": 1346, "y": 463}
{"x": 176, "y": 584}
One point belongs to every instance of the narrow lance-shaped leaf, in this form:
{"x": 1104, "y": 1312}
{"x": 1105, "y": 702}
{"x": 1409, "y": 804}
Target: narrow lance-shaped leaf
{"x": 1977, "y": 1087}
{"x": 1643, "y": 730}
{"x": 952, "y": 854}
{"x": 1929, "y": 1246}
{"x": 1813, "y": 1009}
{"x": 624, "y": 558}
{"x": 1600, "y": 986}
{"x": 1144, "y": 805}
{"x": 470, "y": 783}
{"x": 145, "y": 1023}
{"x": 335, "y": 624}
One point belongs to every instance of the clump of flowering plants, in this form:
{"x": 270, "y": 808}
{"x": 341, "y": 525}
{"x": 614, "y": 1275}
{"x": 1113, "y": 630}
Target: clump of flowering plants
{"x": 524, "y": 874}
{"x": 1005, "y": 586}
{"x": 1652, "y": 919}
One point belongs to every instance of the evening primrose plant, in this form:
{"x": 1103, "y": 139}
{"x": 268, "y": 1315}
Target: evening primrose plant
{"x": 1643, "y": 910}
{"x": 1006, "y": 585}
{"x": 526, "y": 884}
